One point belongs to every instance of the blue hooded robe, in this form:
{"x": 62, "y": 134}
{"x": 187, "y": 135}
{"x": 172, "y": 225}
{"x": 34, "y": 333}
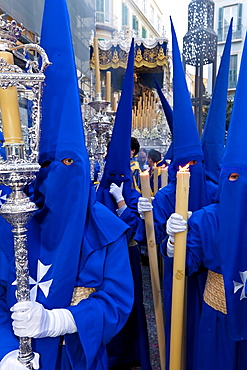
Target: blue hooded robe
{"x": 130, "y": 346}
{"x": 73, "y": 240}
{"x": 222, "y": 337}
{"x": 186, "y": 147}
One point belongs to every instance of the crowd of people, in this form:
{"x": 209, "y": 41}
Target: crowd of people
{"x": 86, "y": 308}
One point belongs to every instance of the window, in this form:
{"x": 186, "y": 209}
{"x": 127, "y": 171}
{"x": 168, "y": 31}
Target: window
{"x": 134, "y": 23}
{"x": 225, "y": 15}
{"x": 232, "y": 82}
{"x": 107, "y": 10}
{"x": 124, "y": 15}
{"x": 144, "y": 6}
{"x": 144, "y": 33}
{"x": 102, "y": 11}
{"x": 158, "y": 24}
{"x": 152, "y": 14}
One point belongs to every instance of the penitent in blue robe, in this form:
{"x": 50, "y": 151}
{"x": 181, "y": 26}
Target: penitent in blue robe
{"x": 215, "y": 349}
{"x": 130, "y": 345}
{"x": 99, "y": 317}
{"x": 163, "y": 207}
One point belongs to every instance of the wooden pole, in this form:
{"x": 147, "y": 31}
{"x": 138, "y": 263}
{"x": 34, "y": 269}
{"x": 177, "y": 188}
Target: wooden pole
{"x": 108, "y": 86}
{"x": 164, "y": 176}
{"x": 97, "y": 69}
{"x": 156, "y": 177}
{"x": 178, "y": 287}
{"x": 154, "y": 272}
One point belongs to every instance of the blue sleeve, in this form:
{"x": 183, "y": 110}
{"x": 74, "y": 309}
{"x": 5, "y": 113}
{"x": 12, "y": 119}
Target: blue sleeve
{"x": 100, "y": 317}
{"x": 202, "y": 240}
{"x": 163, "y": 207}
{"x": 132, "y": 218}
{"x": 130, "y": 215}
{"x": 194, "y": 254}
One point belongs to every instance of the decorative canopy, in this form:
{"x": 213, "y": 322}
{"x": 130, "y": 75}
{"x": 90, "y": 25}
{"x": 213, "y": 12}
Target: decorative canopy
{"x": 149, "y": 53}
{"x": 151, "y": 56}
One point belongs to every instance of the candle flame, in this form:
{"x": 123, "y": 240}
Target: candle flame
{"x": 185, "y": 168}
{"x": 146, "y": 172}
{"x": 164, "y": 167}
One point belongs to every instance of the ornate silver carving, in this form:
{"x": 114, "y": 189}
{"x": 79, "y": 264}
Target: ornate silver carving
{"x": 21, "y": 164}
{"x": 9, "y": 32}
{"x": 98, "y": 132}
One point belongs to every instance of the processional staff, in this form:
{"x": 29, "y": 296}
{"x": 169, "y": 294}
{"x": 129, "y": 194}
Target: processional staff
{"x": 21, "y": 164}
{"x": 178, "y": 282}
{"x": 154, "y": 271}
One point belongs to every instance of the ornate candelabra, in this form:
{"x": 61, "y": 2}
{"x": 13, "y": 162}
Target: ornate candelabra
{"x": 21, "y": 164}
{"x": 99, "y": 129}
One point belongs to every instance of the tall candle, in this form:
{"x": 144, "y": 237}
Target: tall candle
{"x": 113, "y": 102}
{"x": 156, "y": 176}
{"x": 108, "y": 86}
{"x": 10, "y": 109}
{"x": 164, "y": 176}
{"x": 178, "y": 288}
{"x": 154, "y": 271}
{"x": 97, "y": 70}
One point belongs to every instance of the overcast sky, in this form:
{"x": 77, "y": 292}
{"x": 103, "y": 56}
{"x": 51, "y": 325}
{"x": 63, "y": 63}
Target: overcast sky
{"x": 178, "y": 10}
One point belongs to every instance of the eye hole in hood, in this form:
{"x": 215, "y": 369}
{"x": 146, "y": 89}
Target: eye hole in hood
{"x": 67, "y": 161}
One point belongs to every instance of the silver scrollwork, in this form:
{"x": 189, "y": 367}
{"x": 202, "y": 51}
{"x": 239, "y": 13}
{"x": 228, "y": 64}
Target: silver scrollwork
{"x": 21, "y": 164}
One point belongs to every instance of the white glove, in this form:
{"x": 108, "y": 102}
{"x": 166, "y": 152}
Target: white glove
{"x": 10, "y": 362}
{"x": 175, "y": 224}
{"x": 143, "y": 206}
{"x": 170, "y": 248}
{"x": 32, "y": 320}
{"x": 117, "y": 192}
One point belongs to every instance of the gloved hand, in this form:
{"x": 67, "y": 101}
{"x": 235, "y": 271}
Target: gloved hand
{"x": 10, "y": 362}
{"x": 143, "y": 206}
{"x": 99, "y": 178}
{"x": 31, "y": 319}
{"x": 175, "y": 224}
{"x": 117, "y": 192}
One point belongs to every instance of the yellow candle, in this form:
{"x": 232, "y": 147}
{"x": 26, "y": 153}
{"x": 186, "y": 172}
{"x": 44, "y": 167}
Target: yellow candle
{"x": 164, "y": 176}
{"x": 97, "y": 70}
{"x": 154, "y": 271}
{"x": 113, "y": 103}
{"x": 177, "y": 318}
{"x": 10, "y": 109}
{"x": 108, "y": 86}
{"x": 156, "y": 175}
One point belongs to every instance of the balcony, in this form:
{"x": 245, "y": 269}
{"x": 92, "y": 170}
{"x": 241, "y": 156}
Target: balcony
{"x": 106, "y": 21}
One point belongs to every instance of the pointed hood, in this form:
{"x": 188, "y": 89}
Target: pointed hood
{"x": 117, "y": 166}
{"x": 235, "y": 151}
{"x": 186, "y": 140}
{"x": 213, "y": 137}
{"x": 166, "y": 106}
{"x": 169, "y": 117}
{"x": 61, "y": 115}
{"x": 232, "y": 211}
{"x": 63, "y": 182}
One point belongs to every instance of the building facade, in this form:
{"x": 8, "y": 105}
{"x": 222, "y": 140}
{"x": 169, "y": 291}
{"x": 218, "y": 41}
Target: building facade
{"x": 30, "y": 13}
{"x": 142, "y": 16}
{"x": 224, "y": 11}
